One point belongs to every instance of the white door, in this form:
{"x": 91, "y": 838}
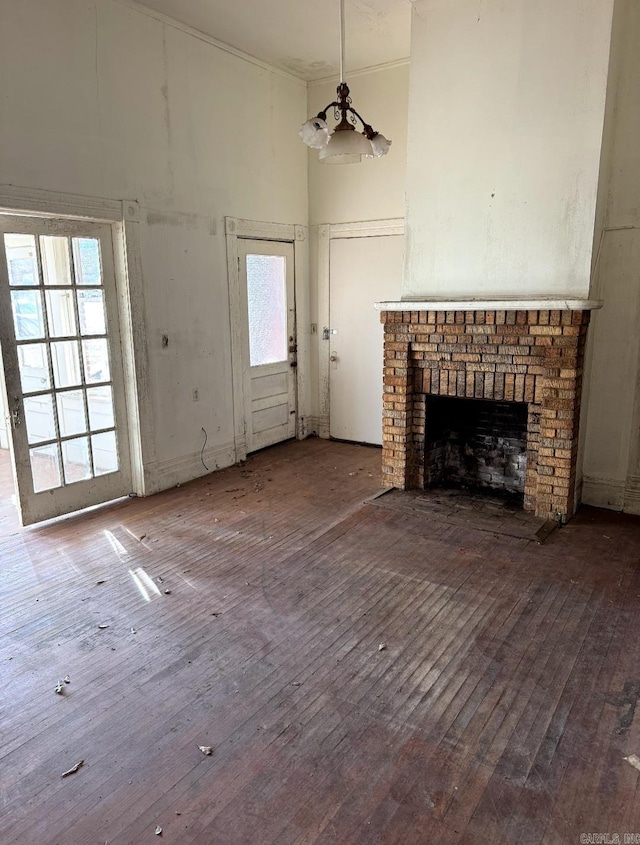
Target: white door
{"x": 362, "y": 271}
{"x": 62, "y": 365}
{"x": 269, "y": 366}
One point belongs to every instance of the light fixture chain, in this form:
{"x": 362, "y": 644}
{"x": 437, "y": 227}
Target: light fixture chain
{"x": 341, "y": 40}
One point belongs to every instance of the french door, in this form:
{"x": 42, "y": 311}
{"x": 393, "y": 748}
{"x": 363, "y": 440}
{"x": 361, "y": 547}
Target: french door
{"x": 267, "y": 288}
{"x": 62, "y": 365}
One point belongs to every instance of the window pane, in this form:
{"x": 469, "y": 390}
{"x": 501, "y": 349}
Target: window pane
{"x": 61, "y": 314}
{"x": 105, "y": 453}
{"x": 86, "y": 254}
{"x": 55, "y": 260}
{"x": 91, "y": 312}
{"x": 45, "y": 467}
{"x": 38, "y": 414}
{"x": 34, "y": 368}
{"x": 66, "y": 363}
{"x": 267, "y": 301}
{"x": 27, "y": 314}
{"x": 75, "y": 459}
{"x": 96, "y": 361}
{"x": 100, "y": 400}
{"x": 21, "y": 259}
{"x": 71, "y": 418}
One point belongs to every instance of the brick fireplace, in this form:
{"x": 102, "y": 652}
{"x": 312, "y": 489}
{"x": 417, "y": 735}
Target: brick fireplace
{"x": 511, "y": 355}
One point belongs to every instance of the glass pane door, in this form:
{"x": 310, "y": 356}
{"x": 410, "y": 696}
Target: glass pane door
{"x": 65, "y": 383}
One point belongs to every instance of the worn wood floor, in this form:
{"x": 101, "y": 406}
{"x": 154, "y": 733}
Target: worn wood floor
{"x": 500, "y": 710}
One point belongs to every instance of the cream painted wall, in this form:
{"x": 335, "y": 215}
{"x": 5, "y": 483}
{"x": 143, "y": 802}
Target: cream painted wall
{"x": 100, "y": 99}
{"x": 374, "y": 189}
{"x": 371, "y": 190}
{"x": 506, "y": 114}
{"x": 611, "y": 430}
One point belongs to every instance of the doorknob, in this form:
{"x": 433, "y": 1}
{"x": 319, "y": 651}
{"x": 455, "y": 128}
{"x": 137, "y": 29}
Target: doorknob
{"x": 333, "y": 357}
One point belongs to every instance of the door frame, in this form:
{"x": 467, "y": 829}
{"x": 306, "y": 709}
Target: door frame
{"x": 123, "y": 216}
{"x": 238, "y": 229}
{"x": 326, "y": 233}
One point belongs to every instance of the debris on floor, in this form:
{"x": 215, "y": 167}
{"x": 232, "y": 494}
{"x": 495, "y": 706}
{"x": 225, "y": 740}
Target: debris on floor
{"x": 73, "y": 769}
{"x": 158, "y": 830}
{"x": 207, "y": 750}
{"x": 103, "y": 626}
{"x": 634, "y": 760}
{"x": 59, "y": 687}
{"x": 382, "y": 646}
{"x": 101, "y": 581}
{"x": 67, "y": 679}
{"x": 133, "y": 631}
{"x": 167, "y": 592}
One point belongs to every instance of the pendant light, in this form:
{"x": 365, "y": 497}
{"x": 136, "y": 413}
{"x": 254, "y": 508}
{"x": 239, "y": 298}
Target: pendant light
{"x": 345, "y": 145}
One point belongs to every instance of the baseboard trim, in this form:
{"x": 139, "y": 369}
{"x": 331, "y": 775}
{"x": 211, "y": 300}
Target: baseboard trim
{"x": 603, "y": 491}
{"x": 185, "y": 468}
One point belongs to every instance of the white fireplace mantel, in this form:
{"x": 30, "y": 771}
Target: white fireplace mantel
{"x": 511, "y": 304}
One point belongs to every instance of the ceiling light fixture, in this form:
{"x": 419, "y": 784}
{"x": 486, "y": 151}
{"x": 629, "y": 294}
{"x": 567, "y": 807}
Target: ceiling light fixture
{"x": 344, "y": 145}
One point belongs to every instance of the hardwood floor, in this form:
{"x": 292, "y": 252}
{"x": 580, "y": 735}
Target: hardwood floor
{"x": 500, "y": 709}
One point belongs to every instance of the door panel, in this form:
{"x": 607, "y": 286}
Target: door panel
{"x": 267, "y": 283}
{"x": 62, "y": 365}
{"x": 362, "y": 271}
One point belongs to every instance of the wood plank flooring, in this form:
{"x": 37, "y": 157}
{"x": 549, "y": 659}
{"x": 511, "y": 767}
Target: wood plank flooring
{"x": 246, "y": 612}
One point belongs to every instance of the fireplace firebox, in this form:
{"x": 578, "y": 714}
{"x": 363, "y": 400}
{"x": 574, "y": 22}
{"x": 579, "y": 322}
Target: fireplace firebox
{"x": 475, "y": 444}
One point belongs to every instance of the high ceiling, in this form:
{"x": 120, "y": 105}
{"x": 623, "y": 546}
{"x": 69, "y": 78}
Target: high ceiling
{"x": 301, "y": 36}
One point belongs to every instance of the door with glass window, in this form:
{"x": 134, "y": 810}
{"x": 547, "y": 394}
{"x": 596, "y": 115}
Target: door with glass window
{"x": 62, "y": 365}
{"x": 267, "y": 285}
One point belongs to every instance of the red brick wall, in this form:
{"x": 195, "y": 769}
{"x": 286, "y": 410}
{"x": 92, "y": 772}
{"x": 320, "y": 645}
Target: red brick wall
{"x": 522, "y": 356}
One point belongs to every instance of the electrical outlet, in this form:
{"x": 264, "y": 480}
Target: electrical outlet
{"x": 196, "y": 394}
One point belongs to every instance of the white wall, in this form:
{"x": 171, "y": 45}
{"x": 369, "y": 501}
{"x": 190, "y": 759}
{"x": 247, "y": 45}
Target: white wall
{"x": 506, "y": 113}
{"x": 611, "y": 454}
{"x": 374, "y": 189}
{"x": 99, "y": 98}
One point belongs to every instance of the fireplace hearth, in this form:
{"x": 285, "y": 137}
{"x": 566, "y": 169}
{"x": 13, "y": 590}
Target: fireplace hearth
{"x": 531, "y": 359}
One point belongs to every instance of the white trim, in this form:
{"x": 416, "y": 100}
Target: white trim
{"x": 236, "y": 229}
{"x": 186, "y": 468}
{"x": 325, "y": 234}
{"x": 36, "y": 201}
{"x": 324, "y": 253}
{"x": 312, "y": 425}
{"x": 603, "y": 491}
{"x": 632, "y": 495}
{"x": 367, "y": 228}
{"x": 511, "y": 304}
{"x": 261, "y": 231}
{"x": 135, "y": 357}
{"x": 208, "y": 39}
{"x": 363, "y": 71}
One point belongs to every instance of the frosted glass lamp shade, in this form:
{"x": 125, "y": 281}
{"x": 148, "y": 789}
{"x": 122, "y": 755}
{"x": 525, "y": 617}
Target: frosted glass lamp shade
{"x": 345, "y": 147}
{"x": 379, "y": 145}
{"x": 314, "y": 133}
